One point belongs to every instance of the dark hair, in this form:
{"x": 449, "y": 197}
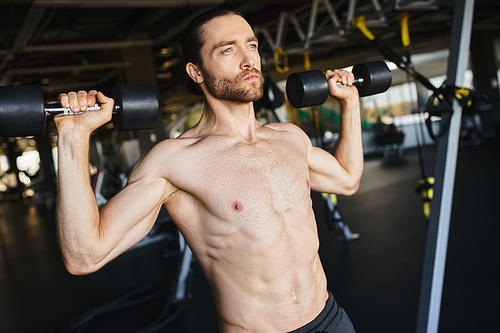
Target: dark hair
{"x": 192, "y": 41}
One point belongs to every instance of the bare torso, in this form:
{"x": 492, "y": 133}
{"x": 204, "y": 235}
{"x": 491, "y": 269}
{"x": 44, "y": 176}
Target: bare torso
{"x": 246, "y": 212}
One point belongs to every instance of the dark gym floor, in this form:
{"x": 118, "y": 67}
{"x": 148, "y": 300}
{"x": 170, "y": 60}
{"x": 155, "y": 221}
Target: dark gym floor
{"x": 375, "y": 278}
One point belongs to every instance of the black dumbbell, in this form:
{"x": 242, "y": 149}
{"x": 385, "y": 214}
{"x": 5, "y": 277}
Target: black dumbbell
{"x": 23, "y": 112}
{"x": 310, "y": 88}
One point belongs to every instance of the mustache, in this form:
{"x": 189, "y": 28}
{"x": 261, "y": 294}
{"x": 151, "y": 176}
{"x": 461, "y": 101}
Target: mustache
{"x": 248, "y": 72}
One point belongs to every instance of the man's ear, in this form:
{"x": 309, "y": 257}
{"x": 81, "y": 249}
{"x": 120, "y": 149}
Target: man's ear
{"x": 194, "y": 72}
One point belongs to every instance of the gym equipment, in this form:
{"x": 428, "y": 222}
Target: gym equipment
{"x": 446, "y": 162}
{"x": 311, "y": 87}
{"x": 23, "y": 112}
{"x": 335, "y": 221}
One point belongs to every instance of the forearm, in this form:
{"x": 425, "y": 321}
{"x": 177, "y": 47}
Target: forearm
{"x": 348, "y": 149}
{"x": 77, "y": 211}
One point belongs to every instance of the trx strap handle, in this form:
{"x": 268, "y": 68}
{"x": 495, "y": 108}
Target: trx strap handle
{"x": 277, "y": 53}
{"x": 333, "y": 197}
{"x": 426, "y": 187}
{"x": 463, "y": 94}
{"x": 443, "y": 96}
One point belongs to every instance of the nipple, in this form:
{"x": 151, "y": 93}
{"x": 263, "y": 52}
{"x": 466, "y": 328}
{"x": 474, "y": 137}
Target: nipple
{"x": 237, "y": 206}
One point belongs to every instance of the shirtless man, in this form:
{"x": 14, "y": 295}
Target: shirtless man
{"x": 237, "y": 190}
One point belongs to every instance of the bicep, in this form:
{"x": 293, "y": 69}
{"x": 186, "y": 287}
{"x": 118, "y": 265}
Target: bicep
{"x": 326, "y": 174}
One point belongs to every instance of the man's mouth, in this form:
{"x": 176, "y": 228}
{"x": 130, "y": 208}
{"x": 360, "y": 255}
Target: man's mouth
{"x": 252, "y": 77}
{"x": 252, "y": 74}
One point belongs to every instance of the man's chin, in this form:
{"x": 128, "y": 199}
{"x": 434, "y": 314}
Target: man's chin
{"x": 255, "y": 97}
{"x": 258, "y": 97}
{"x": 249, "y": 95}
{"x": 256, "y": 93}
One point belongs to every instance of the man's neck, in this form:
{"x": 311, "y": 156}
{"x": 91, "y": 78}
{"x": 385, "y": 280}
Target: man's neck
{"x": 223, "y": 117}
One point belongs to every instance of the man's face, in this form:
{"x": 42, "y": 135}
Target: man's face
{"x": 231, "y": 61}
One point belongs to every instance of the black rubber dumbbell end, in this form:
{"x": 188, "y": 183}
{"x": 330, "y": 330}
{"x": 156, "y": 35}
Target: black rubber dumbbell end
{"x": 377, "y": 77}
{"x": 307, "y": 88}
{"x": 136, "y": 107}
{"x": 22, "y": 111}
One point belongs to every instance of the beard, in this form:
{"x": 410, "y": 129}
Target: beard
{"x": 230, "y": 89}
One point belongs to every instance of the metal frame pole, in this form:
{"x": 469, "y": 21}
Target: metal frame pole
{"x": 439, "y": 223}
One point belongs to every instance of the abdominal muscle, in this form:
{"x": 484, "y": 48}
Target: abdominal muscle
{"x": 266, "y": 278}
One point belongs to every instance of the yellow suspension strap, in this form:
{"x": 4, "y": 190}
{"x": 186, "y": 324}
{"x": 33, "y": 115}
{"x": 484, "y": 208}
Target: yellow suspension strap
{"x": 279, "y": 53}
{"x": 332, "y": 215}
{"x": 333, "y": 197}
{"x": 427, "y": 189}
{"x": 307, "y": 61}
{"x": 360, "y": 23}
{"x": 405, "y": 32}
{"x": 426, "y": 184}
{"x": 463, "y": 94}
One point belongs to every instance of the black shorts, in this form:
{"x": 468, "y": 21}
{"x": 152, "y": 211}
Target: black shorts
{"x": 332, "y": 319}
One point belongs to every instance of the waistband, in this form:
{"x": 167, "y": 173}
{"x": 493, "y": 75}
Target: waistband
{"x": 328, "y": 317}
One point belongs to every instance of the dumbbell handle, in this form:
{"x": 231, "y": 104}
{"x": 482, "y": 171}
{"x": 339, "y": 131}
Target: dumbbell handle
{"x": 356, "y": 82}
{"x": 55, "y": 109}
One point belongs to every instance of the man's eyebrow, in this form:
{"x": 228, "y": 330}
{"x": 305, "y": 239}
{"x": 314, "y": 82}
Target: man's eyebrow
{"x": 224, "y": 43}
{"x": 231, "y": 42}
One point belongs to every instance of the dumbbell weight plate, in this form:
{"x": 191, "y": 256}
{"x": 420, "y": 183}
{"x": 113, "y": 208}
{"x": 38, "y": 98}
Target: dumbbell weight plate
{"x": 307, "y": 88}
{"x": 136, "y": 107}
{"x": 22, "y": 111}
{"x": 377, "y": 77}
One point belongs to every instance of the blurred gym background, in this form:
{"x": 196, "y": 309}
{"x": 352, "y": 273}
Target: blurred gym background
{"x": 77, "y": 44}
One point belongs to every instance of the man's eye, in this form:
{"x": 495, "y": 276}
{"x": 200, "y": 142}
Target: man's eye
{"x": 253, "y": 46}
{"x": 226, "y": 50}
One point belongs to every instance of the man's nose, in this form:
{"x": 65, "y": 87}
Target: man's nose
{"x": 248, "y": 59}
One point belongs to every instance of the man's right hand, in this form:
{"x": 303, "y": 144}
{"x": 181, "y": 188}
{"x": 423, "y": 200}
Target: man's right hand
{"x": 85, "y": 122}
{"x": 347, "y": 90}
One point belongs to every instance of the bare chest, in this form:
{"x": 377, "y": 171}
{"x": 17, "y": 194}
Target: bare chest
{"x": 252, "y": 181}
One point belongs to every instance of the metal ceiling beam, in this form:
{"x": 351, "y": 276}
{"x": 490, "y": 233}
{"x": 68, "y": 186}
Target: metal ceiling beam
{"x": 155, "y": 15}
{"x": 69, "y": 68}
{"x": 338, "y": 31}
{"x": 86, "y": 46}
{"x": 56, "y": 88}
{"x": 173, "y": 31}
{"x": 305, "y": 39}
{"x": 415, "y": 4}
{"x": 47, "y": 20}
{"x": 375, "y": 5}
{"x": 125, "y": 3}
{"x": 30, "y": 24}
{"x": 177, "y": 29}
